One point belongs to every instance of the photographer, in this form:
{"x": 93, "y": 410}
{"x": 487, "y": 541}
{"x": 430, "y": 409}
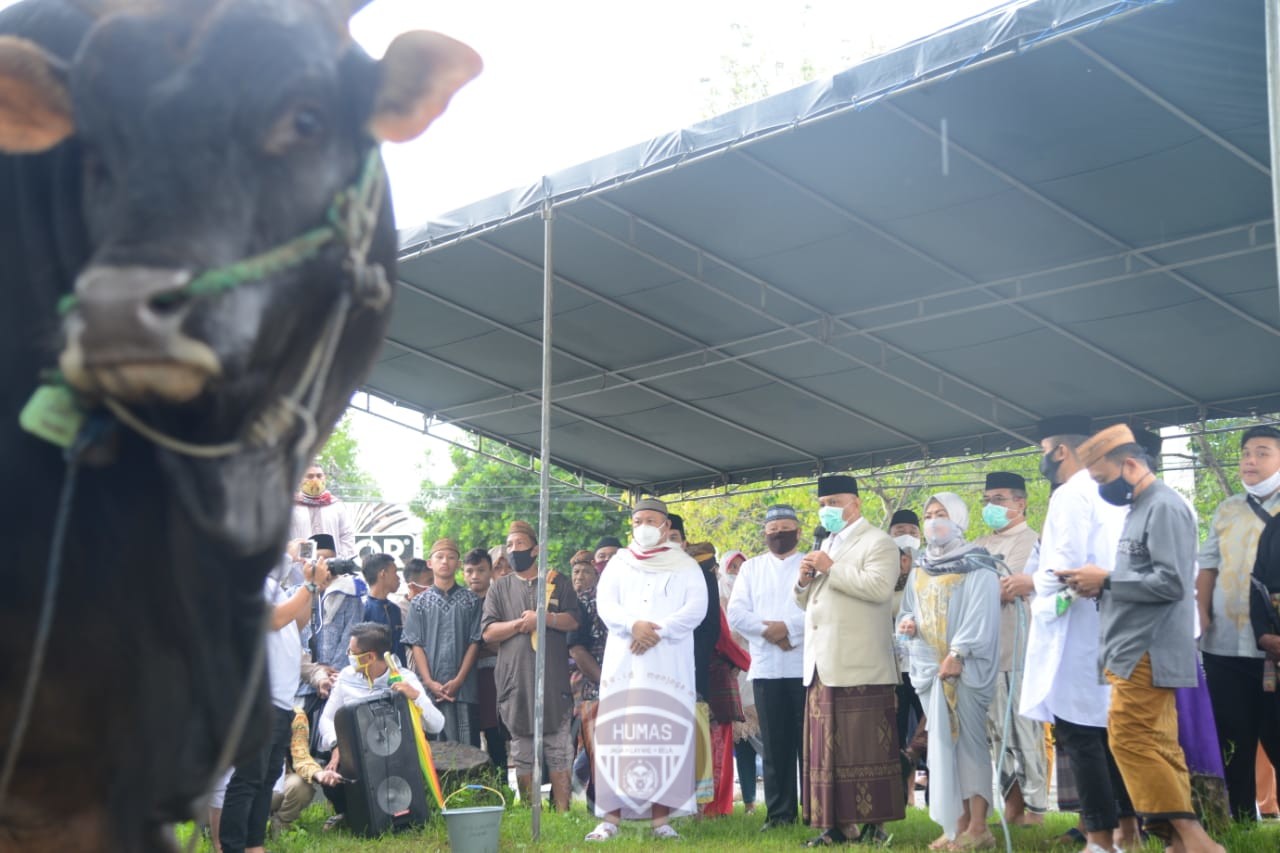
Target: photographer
{"x": 248, "y": 798}
{"x": 337, "y": 608}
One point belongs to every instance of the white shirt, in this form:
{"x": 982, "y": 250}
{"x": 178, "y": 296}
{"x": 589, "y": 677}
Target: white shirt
{"x": 1061, "y": 673}
{"x": 284, "y": 652}
{"x": 762, "y": 594}
{"x": 352, "y": 686}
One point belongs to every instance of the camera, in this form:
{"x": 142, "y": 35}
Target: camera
{"x": 342, "y": 567}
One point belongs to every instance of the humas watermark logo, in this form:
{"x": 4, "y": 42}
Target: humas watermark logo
{"x": 645, "y": 752}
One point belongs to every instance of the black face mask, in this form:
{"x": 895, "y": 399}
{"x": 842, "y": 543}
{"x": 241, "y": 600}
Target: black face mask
{"x": 520, "y": 561}
{"x": 1117, "y": 492}
{"x": 782, "y": 543}
{"x": 1049, "y": 466}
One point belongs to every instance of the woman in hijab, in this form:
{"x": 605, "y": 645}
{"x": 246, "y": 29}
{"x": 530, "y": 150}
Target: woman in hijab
{"x": 951, "y": 615}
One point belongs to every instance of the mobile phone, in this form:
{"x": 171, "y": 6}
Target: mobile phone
{"x": 306, "y": 550}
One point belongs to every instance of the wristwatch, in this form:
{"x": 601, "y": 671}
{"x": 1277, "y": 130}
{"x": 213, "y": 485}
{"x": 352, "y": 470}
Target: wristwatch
{"x": 310, "y": 587}
{"x": 958, "y": 655}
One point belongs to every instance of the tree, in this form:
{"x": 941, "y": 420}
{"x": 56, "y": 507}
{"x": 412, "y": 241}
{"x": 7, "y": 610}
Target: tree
{"x": 484, "y": 495}
{"x": 340, "y": 459}
{"x": 734, "y": 520}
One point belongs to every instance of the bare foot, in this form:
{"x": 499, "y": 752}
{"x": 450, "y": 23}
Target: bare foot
{"x": 1029, "y": 819}
{"x": 941, "y": 843}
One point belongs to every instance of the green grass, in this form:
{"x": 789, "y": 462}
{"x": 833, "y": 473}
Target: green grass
{"x": 564, "y": 832}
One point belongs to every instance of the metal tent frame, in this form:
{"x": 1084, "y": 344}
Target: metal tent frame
{"x": 1058, "y": 206}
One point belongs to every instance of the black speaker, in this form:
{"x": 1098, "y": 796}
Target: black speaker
{"x": 380, "y": 759}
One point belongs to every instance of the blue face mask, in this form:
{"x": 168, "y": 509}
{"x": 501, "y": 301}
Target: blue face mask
{"x": 832, "y": 518}
{"x": 996, "y": 517}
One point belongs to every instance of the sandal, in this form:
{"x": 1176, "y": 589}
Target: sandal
{"x": 603, "y": 831}
{"x": 665, "y": 830}
{"x": 986, "y": 841}
{"x": 827, "y": 839}
{"x": 334, "y": 822}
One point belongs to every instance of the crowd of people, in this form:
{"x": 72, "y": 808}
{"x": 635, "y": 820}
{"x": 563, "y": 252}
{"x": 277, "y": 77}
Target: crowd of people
{"x": 1111, "y": 648}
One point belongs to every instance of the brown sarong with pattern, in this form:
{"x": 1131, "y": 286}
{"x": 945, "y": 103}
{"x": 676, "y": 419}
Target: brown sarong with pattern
{"x": 851, "y": 774}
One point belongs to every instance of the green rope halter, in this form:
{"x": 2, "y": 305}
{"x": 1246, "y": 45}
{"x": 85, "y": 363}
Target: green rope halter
{"x": 350, "y": 219}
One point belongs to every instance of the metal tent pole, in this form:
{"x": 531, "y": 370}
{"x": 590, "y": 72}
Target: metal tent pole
{"x": 544, "y": 524}
{"x": 1273, "y": 113}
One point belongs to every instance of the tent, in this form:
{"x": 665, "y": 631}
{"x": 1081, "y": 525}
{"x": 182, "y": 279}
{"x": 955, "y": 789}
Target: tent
{"x": 1059, "y": 206}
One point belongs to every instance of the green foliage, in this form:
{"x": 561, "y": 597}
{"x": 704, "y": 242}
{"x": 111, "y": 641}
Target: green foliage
{"x": 735, "y": 520}
{"x": 340, "y": 459}
{"x": 1217, "y": 458}
{"x": 483, "y": 496}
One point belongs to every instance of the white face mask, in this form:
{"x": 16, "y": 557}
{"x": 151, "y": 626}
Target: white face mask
{"x": 940, "y": 531}
{"x": 1264, "y": 488}
{"x": 647, "y": 536}
{"x": 907, "y": 542}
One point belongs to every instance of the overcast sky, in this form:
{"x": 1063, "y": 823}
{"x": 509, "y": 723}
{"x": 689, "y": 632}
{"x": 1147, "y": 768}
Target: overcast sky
{"x": 569, "y": 80}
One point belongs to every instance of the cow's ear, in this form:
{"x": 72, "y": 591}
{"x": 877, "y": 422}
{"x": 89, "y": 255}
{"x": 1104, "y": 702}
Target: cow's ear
{"x": 418, "y": 75}
{"x": 35, "y": 106}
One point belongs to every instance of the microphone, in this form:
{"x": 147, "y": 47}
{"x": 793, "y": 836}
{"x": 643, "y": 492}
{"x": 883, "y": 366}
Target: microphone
{"x": 819, "y": 534}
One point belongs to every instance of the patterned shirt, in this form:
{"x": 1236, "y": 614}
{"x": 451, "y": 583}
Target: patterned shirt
{"x": 592, "y": 635}
{"x": 444, "y": 625}
{"x": 1231, "y": 547}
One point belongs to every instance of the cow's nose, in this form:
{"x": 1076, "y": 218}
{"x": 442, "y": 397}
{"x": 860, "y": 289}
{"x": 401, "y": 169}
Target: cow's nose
{"x": 125, "y": 336}
{"x": 130, "y": 314}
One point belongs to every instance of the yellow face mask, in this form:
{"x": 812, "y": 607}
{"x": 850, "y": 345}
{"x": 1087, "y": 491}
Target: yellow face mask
{"x": 362, "y": 668}
{"x": 313, "y": 488}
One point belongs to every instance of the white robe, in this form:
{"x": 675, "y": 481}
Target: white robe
{"x": 645, "y": 725}
{"x": 1061, "y": 673}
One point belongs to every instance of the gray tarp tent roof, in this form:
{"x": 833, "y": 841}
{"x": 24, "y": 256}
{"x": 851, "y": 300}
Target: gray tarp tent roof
{"x": 1063, "y": 206}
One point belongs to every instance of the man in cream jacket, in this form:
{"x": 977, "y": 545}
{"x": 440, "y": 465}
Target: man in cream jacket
{"x": 846, "y": 590}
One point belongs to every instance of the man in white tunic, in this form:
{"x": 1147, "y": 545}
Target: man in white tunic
{"x": 651, "y": 596}
{"x": 1061, "y": 683}
{"x": 316, "y": 510}
{"x": 763, "y": 610}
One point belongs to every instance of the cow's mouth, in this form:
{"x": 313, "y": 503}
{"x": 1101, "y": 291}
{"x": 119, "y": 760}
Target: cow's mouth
{"x": 177, "y": 380}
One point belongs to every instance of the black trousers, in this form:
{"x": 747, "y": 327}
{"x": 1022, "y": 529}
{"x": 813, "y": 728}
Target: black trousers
{"x": 247, "y": 804}
{"x": 1103, "y": 796}
{"x": 780, "y": 706}
{"x": 744, "y": 755}
{"x": 908, "y": 702}
{"x": 1245, "y": 716}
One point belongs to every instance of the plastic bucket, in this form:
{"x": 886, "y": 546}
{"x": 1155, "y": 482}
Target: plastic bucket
{"x": 474, "y": 829}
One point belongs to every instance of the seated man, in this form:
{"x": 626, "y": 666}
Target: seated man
{"x": 302, "y": 772}
{"x": 365, "y": 675}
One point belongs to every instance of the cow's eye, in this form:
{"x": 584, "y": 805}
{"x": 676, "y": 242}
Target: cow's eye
{"x": 308, "y": 123}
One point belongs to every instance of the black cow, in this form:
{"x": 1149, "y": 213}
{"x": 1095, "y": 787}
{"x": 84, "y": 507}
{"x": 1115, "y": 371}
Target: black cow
{"x": 194, "y": 174}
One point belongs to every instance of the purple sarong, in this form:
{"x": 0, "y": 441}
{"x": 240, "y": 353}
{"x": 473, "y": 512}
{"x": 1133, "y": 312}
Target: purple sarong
{"x": 1198, "y": 736}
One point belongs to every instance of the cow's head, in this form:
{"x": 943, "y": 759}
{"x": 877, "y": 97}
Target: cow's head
{"x": 220, "y": 143}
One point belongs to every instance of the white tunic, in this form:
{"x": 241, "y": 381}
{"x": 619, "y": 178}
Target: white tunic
{"x": 763, "y": 594}
{"x": 643, "y": 770}
{"x": 1061, "y": 674}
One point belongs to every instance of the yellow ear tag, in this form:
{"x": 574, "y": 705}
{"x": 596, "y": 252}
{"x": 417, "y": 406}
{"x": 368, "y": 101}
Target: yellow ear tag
{"x": 52, "y": 414}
